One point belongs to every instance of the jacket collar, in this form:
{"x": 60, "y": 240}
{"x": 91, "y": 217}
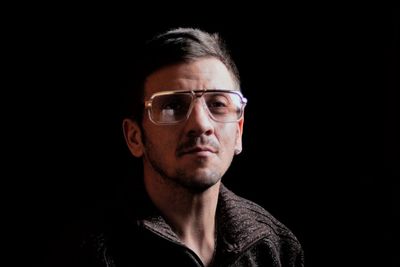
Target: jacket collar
{"x": 240, "y": 223}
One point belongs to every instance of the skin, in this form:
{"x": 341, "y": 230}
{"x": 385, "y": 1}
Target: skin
{"x": 184, "y": 163}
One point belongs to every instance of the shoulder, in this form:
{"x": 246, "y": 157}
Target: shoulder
{"x": 250, "y": 220}
{"x": 248, "y": 210}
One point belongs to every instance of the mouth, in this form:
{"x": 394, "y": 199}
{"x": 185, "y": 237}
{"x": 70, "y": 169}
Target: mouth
{"x": 201, "y": 151}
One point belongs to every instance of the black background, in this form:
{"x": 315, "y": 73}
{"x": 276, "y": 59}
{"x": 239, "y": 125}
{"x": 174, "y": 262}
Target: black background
{"x": 320, "y": 148}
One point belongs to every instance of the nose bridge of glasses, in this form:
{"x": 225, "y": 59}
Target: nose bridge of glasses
{"x": 197, "y": 96}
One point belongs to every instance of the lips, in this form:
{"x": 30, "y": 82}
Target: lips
{"x": 199, "y": 149}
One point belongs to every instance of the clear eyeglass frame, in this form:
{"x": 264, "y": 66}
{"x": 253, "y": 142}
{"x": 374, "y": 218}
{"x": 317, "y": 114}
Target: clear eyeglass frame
{"x": 195, "y": 94}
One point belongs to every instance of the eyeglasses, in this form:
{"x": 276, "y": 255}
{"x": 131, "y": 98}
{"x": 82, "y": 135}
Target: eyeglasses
{"x": 171, "y": 107}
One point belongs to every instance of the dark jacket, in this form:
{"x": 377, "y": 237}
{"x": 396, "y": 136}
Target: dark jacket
{"x": 247, "y": 235}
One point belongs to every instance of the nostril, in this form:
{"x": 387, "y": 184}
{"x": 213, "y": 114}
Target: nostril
{"x": 208, "y": 132}
{"x": 199, "y": 132}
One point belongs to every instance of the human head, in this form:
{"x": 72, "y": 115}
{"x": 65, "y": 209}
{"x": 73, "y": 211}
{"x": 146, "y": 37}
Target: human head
{"x": 185, "y": 59}
{"x": 174, "y": 46}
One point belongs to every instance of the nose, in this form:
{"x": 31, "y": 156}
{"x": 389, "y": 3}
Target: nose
{"x": 199, "y": 121}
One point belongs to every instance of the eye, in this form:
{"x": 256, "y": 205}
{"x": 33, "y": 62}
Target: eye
{"x": 172, "y": 102}
{"x": 172, "y": 105}
{"x": 217, "y": 104}
{"x": 217, "y": 101}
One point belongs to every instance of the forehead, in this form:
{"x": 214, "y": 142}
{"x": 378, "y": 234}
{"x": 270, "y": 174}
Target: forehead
{"x": 206, "y": 73}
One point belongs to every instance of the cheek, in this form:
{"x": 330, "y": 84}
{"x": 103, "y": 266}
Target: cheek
{"x": 160, "y": 137}
{"x": 227, "y": 138}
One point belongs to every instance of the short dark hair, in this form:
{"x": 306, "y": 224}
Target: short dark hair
{"x": 171, "y": 47}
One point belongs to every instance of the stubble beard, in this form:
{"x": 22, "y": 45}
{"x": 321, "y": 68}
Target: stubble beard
{"x": 195, "y": 183}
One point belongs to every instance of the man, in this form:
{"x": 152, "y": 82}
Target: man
{"x": 187, "y": 129}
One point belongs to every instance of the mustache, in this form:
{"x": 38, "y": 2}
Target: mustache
{"x": 195, "y": 142}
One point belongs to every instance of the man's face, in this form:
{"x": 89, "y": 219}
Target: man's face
{"x": 194, "y": 153}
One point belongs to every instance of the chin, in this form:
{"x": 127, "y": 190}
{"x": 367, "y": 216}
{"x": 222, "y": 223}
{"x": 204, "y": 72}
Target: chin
{"x": 198, "y": 182}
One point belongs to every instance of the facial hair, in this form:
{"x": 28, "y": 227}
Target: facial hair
{"x": 181, "y": 177}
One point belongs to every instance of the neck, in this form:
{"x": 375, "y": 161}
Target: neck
{"x": 190, "y": 215}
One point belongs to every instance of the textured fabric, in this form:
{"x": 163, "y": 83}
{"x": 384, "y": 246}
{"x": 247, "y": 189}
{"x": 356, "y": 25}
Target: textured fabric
{"x": 247, "y": 236}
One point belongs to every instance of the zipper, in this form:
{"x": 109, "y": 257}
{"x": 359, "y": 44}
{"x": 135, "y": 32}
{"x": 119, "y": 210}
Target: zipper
{"x": 188, "y": 251}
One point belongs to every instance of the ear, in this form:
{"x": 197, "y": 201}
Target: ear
{"x": 133, "y": 137}
{"x": 239, "y": 133}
